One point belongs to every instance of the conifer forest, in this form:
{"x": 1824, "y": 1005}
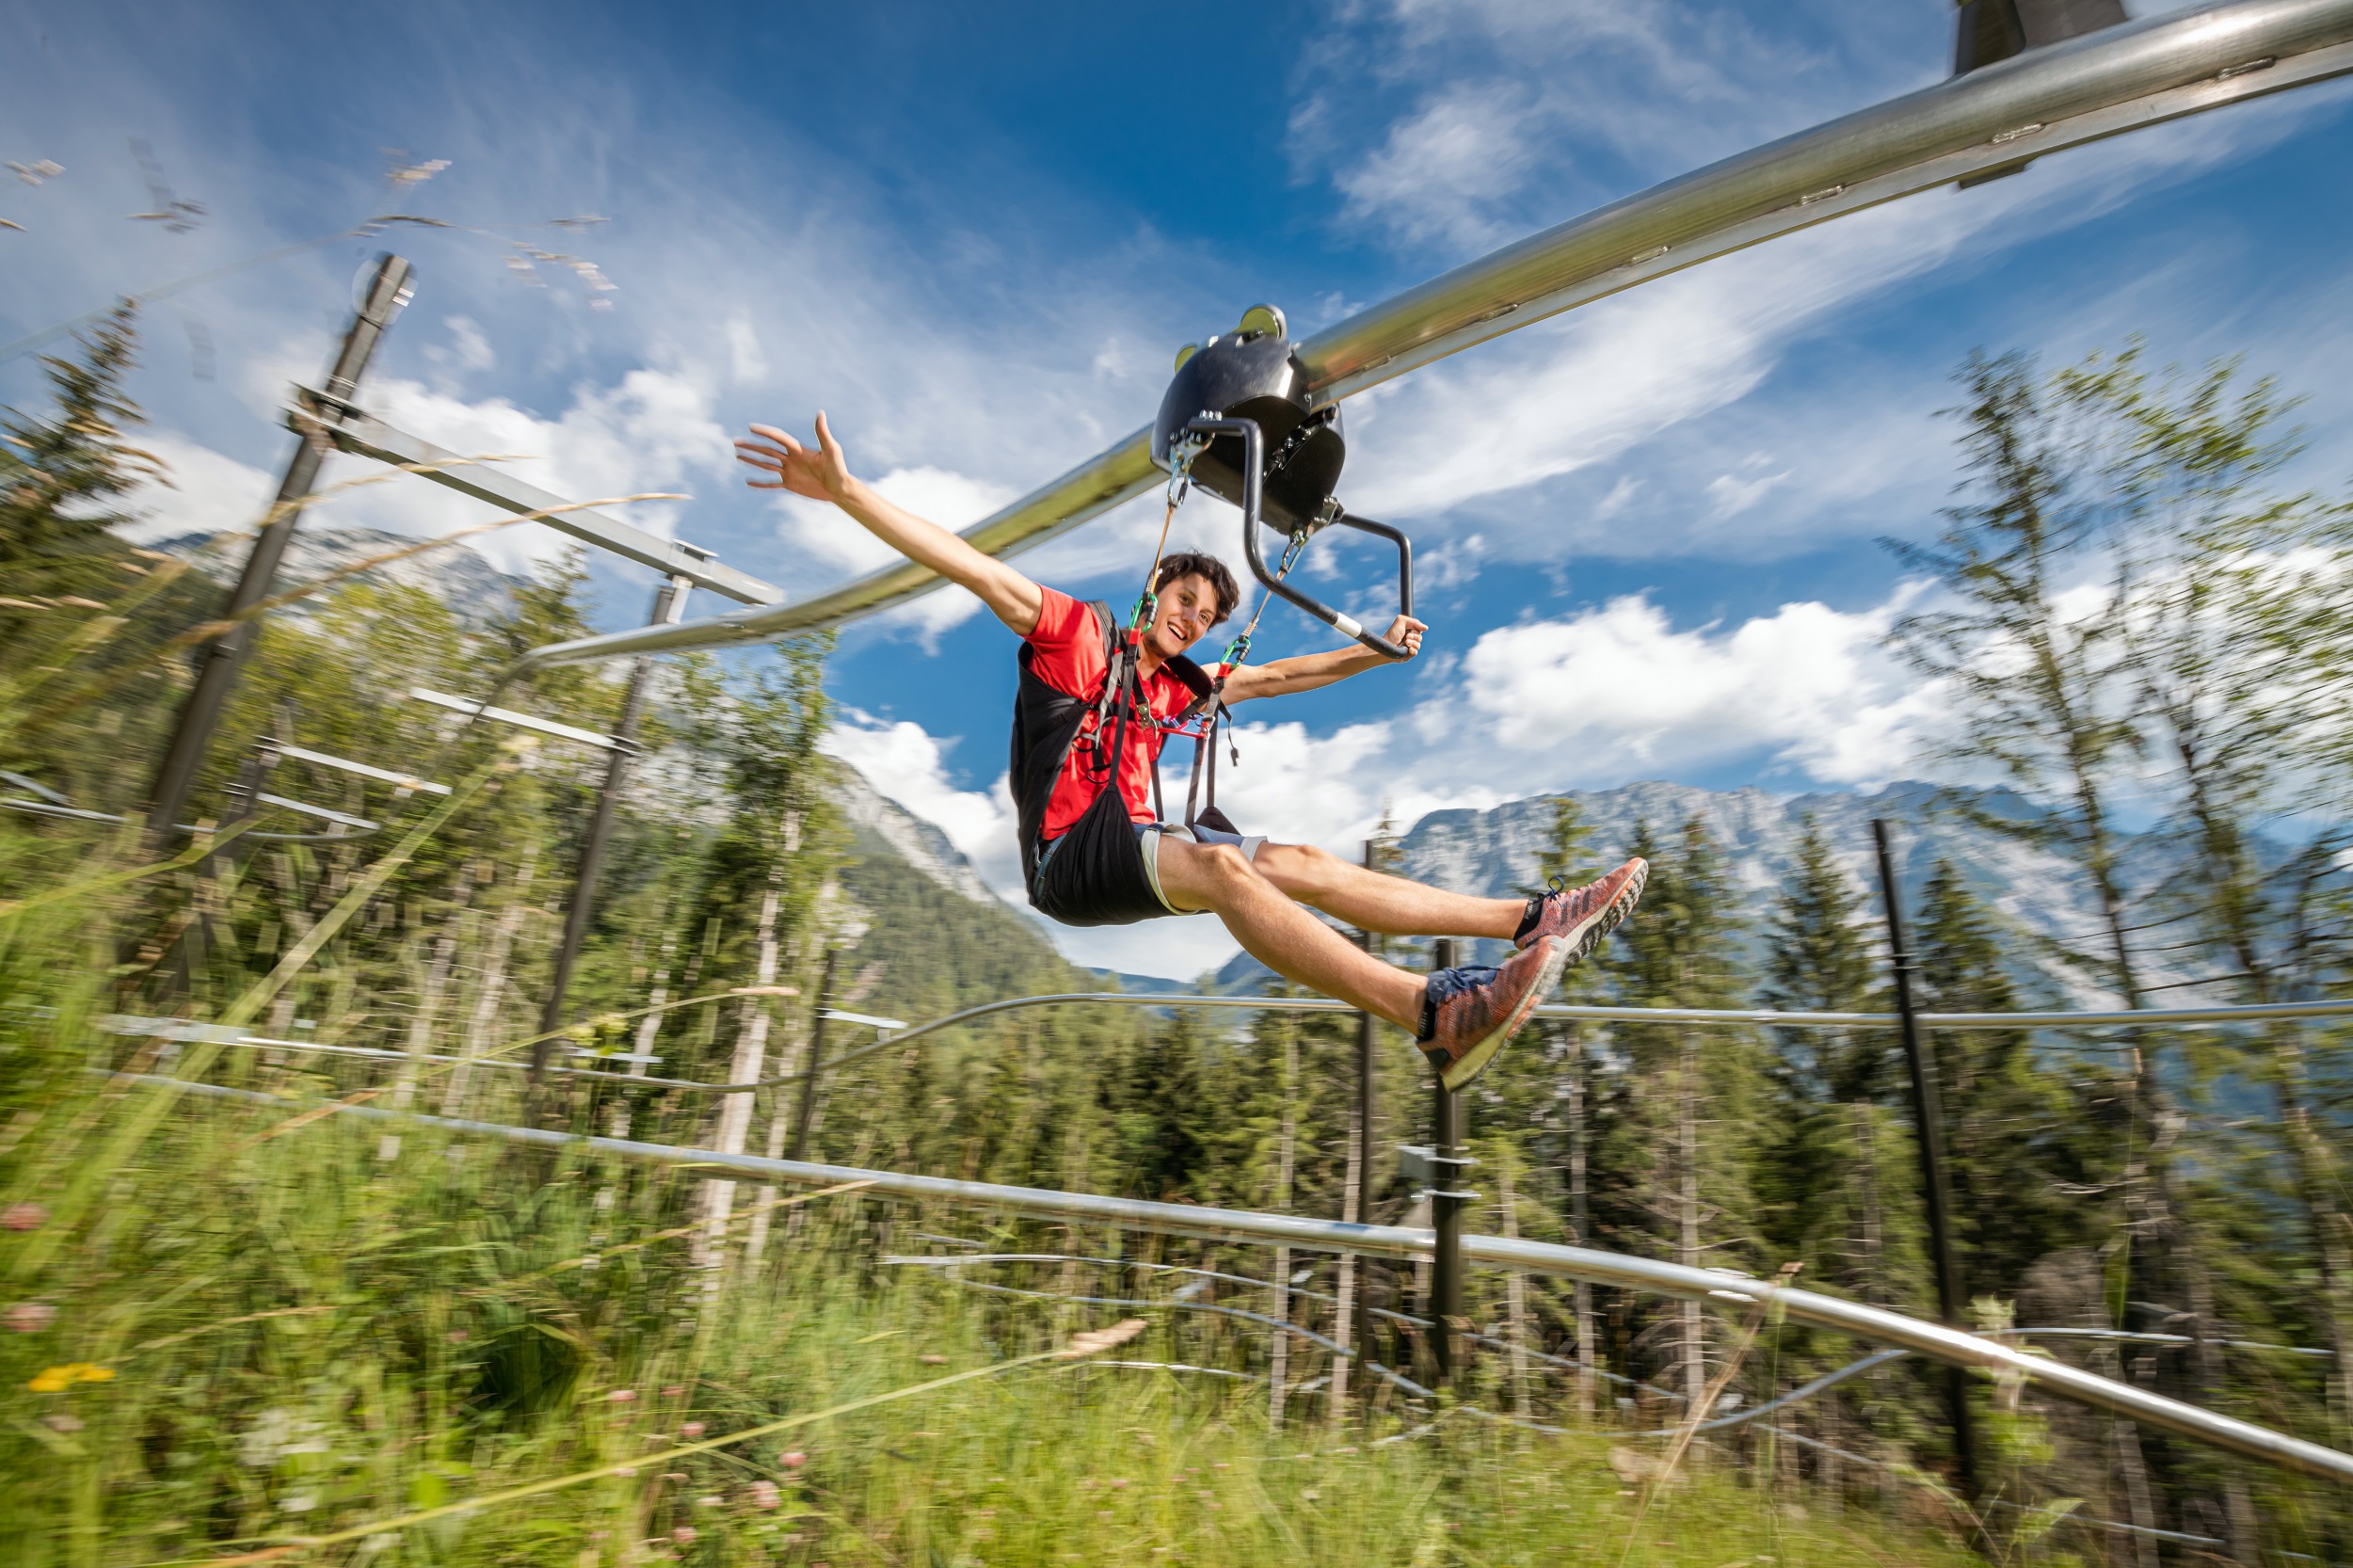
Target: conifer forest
{"x": 264, "y": 1303}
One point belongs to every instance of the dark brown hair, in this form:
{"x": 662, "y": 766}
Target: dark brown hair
{"x": 1191, "y": 563}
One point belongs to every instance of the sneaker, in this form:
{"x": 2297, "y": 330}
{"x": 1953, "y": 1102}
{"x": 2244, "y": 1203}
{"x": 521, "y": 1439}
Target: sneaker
{"x": 1472, "y": 1013}
{"x": 1580, "y": 918}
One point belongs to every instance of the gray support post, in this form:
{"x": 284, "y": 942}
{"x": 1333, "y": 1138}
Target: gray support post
{"x": 805, "y": 1114}
{"x": 1367, "y": 1035}
{"x": 1927, "y": 1121}
{"x": 669, "y": 605}
{"x": 1445, "y": 1309}
{"x": 223, "y": 658}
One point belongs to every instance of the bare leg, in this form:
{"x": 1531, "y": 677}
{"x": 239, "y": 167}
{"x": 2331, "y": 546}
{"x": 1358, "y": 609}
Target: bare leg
{"x": 1389, "y": 904}
{"x": 1279, "y": 934}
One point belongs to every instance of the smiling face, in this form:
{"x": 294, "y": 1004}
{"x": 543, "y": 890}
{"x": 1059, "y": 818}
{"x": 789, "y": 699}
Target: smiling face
{"x": 1185, "y": 609}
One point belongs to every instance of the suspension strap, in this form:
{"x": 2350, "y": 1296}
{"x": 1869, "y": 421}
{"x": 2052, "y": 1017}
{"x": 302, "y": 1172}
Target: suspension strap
{"x": 1145, "y": 600}
{"x": 1212, "y": 711}
{"x": 1179, "y": 481}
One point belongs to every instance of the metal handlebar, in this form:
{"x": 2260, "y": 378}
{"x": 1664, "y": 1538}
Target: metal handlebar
{"x": 1254, "y": 443}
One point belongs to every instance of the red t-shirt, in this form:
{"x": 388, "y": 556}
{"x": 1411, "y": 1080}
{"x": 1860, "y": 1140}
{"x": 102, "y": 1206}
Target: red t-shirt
{"x": 1067, "y": 653}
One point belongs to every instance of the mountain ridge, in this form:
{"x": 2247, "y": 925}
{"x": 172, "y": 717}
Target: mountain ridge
{"x": 475, "y": 592}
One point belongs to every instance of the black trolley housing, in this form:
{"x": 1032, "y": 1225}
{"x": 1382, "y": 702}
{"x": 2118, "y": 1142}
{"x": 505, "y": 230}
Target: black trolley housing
{"x": 1238, "y": 421}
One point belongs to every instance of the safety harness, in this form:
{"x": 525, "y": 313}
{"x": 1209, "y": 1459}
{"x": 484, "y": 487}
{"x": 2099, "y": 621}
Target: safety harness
{"x": 1049, "y": 724}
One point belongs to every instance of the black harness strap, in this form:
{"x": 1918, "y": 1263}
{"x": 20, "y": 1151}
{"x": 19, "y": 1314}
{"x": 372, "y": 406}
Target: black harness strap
{"x": 1050, "y": 725}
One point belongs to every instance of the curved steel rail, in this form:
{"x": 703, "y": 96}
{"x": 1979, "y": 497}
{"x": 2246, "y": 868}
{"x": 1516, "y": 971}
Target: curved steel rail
{"x": 1877, "y": 1324}
{"x": 2173, "y": 1017}
{"x": 952, "y": 1261}
{"x": 2104, "y": 84}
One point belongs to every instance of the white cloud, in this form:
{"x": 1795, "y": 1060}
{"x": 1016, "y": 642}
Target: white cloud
{"x": 1610, "y": 97}
{"x": 1618, "y": 691}
{"x": 1621, "y": 495}
{"x": 1734, "y": 495}
{"x": 952, "y": 500}
{"x": 468, "y": 348}
{"x": 746, "y": 364}
{"x": 1590, "y": 386}
{"x": 651, "y": 432}
{"x": 1586, "y": 701}
{"x": 906, "y": 764}
{"x": 1441, "y": 171}
{"x": 209, "y": 493}
{"x": 823, "y": 530}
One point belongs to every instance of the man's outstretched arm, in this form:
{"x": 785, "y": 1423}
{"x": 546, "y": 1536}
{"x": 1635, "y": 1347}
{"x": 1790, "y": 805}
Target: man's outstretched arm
{"x": 824, "y": 474}
{"x": 1308, "y": 671}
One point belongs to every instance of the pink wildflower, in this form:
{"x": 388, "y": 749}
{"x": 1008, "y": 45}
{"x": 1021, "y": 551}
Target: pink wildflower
{"x": 691, "y": 1431}
{"x": 684, "y": 1535}
{"x": 794, "y": 1458}
{"x": 31, "y": 1317}
{"x": 621, "y": 1396}
{"x": 23, "y": 1216}
{"x": 764, "y": 1493}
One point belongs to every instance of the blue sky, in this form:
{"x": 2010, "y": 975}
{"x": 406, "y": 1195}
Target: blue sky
{"x": 976, "y": 237}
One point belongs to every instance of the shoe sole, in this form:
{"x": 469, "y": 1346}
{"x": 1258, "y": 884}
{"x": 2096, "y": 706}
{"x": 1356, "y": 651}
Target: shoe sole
{"x": 1582, "y": 941}
{"x": 1466, "y": 1067}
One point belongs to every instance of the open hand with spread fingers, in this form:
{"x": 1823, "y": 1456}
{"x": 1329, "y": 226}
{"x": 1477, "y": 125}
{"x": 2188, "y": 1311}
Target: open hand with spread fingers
{"x": 823, "y": 475}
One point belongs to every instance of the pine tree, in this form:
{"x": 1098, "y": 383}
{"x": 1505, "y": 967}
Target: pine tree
{"x": 1535, "y": 1106}
{"x": 1824, "y": 1190}
{"x": 2017, "y": 1137}
{"x": 1685, "y": 1111}
{"x": 2051, "y": 678}
{"x": 1819, "y": 961}
{"x": 1832, "y": 1179}
{"x": 60, "y": 475}
{"x": 1158, "y": 1110}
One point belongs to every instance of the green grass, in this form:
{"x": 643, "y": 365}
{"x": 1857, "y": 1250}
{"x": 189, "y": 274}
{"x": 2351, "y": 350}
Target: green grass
{"x": 441, "y": 1350}
{"x": 232, "y": 1325}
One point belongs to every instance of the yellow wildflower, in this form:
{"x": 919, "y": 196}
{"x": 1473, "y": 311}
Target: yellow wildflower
{"x": 57, "y": 1379}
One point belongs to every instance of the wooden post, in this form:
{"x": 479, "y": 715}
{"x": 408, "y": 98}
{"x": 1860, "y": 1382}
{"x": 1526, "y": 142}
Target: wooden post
{"x": 1355, "y": 1203}
{"x": 1928, "y": 1124}
{"x": 1580, "y": 1223}
{"x": 669, "y": 604}
{"x": 1280, "y": 1360}
{"x": 224, "y": 658}
{"x": 1445, "y": 1306}
{"x": 804, "y": 1114}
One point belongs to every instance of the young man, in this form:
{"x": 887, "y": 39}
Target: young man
{"x": 1096, "y": 853}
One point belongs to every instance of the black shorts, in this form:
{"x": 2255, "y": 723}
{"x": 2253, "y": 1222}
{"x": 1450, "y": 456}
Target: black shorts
{"x": 1105, "y": 871}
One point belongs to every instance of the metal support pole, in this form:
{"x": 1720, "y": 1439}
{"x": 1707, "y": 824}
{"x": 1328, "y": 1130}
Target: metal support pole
{"x": 805, "y": 1114}
{"x": 223, "y": 658}
{"x": 669, "y": 605}
{"x": 1927, "y": 1121}
{"x": 1444, "y": 1308}
{"x": 1368, "y": 1083}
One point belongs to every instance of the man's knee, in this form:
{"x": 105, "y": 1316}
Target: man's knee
{"x": 1205, "y": 871}
{"x": 1224, "y": 862}
{"x": 1296, "y": 866}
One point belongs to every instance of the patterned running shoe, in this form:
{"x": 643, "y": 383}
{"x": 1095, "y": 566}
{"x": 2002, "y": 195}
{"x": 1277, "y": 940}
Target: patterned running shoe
{"x": 1580, "y": 918}
{"x": 1471, "y": 1013}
